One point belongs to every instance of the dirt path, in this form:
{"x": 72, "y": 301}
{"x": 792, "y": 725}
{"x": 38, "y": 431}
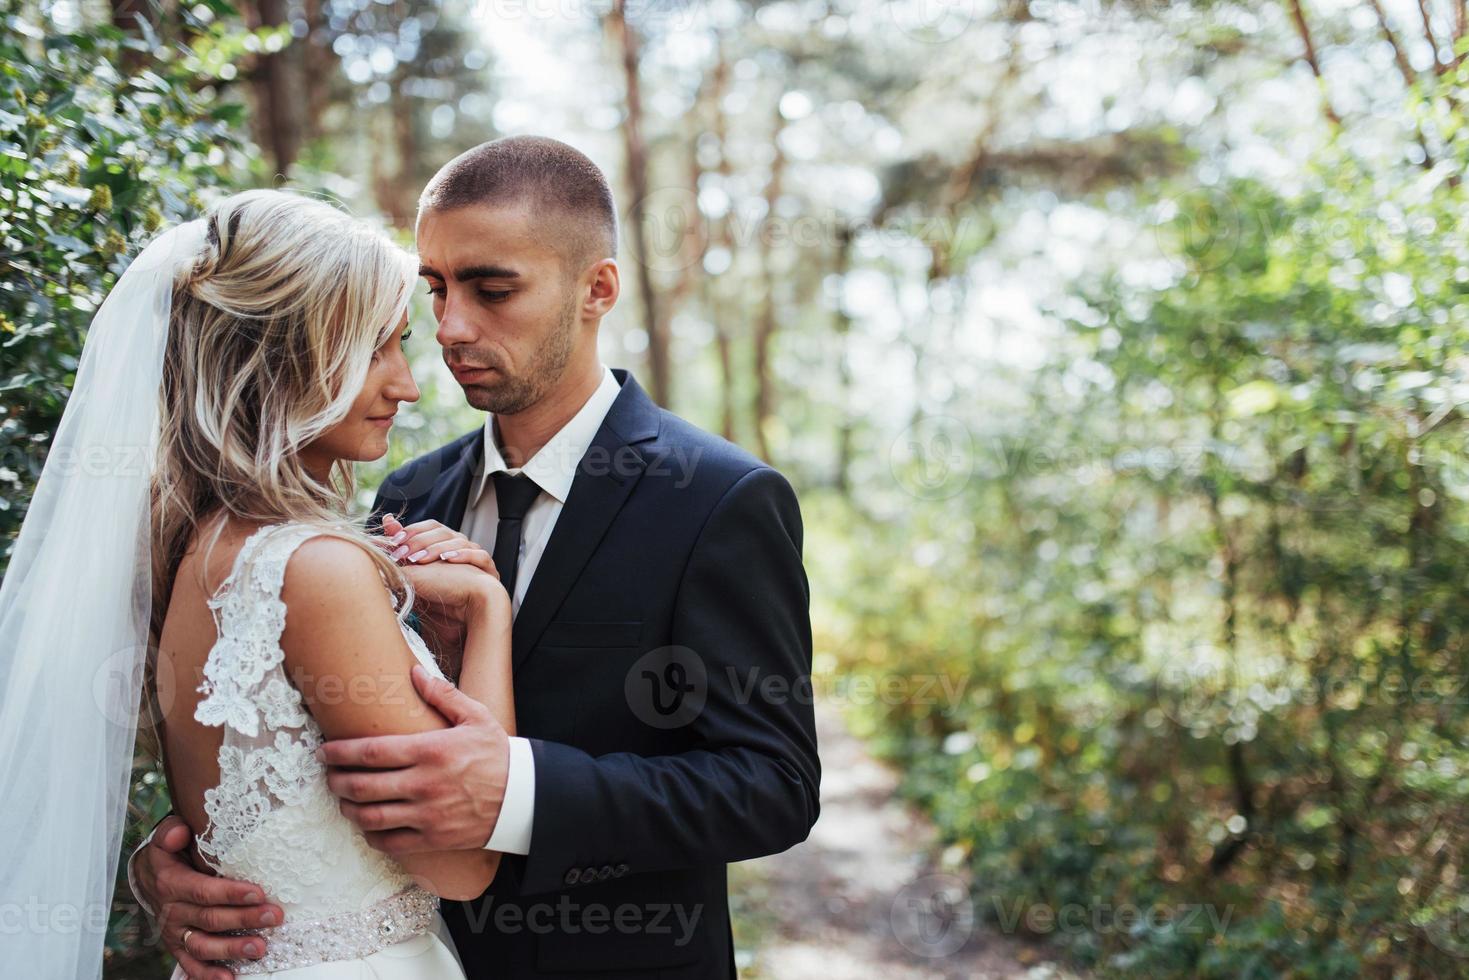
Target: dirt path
{"x": 861, "y": 898}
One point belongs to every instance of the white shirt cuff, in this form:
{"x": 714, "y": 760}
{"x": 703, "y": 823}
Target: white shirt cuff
{"x": 518, "y": 810}
{"x": 132, "y": 882}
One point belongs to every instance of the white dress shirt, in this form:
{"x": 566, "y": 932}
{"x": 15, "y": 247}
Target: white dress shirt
{"x": 552, "y": 468}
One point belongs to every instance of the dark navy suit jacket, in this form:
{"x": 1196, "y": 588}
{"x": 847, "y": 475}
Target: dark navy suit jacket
{"x": 662, "y": 674}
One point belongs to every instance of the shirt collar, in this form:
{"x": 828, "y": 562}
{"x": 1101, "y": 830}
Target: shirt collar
{"x": 553, "y": 467}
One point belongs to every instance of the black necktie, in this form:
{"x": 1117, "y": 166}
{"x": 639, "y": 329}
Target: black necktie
{"x": 513, "y": 497}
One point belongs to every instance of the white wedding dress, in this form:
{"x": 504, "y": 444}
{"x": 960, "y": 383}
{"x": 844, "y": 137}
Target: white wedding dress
{"x": 351, "y": 912}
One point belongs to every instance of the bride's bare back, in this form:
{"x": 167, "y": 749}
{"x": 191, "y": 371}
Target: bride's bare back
{"x": 191, "y": 750}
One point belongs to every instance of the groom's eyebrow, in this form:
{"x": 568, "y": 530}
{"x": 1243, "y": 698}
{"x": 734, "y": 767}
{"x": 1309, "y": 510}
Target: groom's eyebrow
{"x": 473, "y": 272}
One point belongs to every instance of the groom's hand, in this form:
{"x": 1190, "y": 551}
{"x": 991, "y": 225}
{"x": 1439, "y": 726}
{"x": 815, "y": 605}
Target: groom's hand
{"x": 194, "y": 910}
{"x": 436, "y": 791}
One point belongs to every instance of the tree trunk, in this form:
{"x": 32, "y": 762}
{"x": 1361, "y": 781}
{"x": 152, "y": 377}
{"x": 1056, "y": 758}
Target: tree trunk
{"x": 395, "y": 187}
{"x": 317, "y": 62}
{"x": 1303, "y": 29}
{"x": 766, "y": 325}
{"x": 277, "y": 90}
{"x": 719, "y": 87}
{"x": 842, "y": 327}
{"x": 637, "y": 181}
{"x": 126, "y": 15}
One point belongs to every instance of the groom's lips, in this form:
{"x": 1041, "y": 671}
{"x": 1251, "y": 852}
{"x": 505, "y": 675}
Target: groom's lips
{"x": 468, "y": 374}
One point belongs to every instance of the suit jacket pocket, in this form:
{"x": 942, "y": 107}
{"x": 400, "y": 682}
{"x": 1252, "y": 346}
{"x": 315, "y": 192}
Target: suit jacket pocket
{"x": 624, "y": 633}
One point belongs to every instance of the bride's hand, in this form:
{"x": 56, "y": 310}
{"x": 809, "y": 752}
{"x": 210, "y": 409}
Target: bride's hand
{"x": 457, "y": 591}
{"x": 427, "y": 542}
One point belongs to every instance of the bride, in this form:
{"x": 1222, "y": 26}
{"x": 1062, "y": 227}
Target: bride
{"x": 188, "y": 540}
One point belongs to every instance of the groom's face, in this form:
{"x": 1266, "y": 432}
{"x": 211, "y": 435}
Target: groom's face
{"x": 507, "y": 308}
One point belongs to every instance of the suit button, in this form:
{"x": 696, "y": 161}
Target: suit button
{"x": 619, "y": 871}
{"x": 572, "y": 876}
{"x": 589, "y": 875}
{"x": 605, "y": 873}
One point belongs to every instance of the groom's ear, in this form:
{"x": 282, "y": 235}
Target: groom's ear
{"x": 602, "y": 285}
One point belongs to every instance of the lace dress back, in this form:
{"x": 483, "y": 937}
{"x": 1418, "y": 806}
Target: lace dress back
{"x": 272, "y": 819}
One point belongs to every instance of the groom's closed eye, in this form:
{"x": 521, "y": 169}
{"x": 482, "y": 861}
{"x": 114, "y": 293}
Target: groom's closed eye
{"x": 489, "y": 295}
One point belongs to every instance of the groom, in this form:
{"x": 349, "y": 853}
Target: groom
{"x": 661, "y": 641}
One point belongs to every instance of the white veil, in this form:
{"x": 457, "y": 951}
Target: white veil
{"x": 74, "y": 609}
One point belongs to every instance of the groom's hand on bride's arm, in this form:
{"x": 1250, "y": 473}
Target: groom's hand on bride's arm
{"x": 435, "y": 791}
{"x": 203, "y": 907}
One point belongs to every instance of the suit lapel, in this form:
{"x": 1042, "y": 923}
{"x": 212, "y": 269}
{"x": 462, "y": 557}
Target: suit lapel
{"x": 604, "y": 479}
{"x": 449, "y": 495}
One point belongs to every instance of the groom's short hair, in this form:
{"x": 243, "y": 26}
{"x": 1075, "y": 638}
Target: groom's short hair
{"x": 561, "y": 183}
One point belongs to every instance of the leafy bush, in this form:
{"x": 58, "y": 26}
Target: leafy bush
{"x": 94, "y": 159}
{"x": 1204, "y": 600}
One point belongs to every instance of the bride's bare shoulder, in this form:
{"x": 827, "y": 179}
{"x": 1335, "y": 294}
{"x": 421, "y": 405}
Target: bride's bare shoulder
{"x": 210, "y": 555}
{"x": 325, "y": 567}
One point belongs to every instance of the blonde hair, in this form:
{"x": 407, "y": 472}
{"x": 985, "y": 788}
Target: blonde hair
{"x": 270, "y": 341}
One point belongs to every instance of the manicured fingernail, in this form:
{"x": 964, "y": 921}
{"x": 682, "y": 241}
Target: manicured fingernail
{"x": 449, "y": 554}
{"x": 417, "y": 555}
{"x": 268, "y": 919}
{"x": 400, "y": 552}
{"x": 398, "y": 537}
{"x": 252, "y": 949}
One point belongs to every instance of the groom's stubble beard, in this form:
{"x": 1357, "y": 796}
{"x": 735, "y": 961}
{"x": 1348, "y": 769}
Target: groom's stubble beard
{"x": 509, "y": 394}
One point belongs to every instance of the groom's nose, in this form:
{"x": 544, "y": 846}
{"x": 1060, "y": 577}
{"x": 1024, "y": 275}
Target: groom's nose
{"x": 455, "y": 324}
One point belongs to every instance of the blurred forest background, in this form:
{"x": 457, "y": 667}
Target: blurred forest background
{"x": 1117, "y": 350}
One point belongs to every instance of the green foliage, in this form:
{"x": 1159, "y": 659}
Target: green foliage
{"x": 93, "y": 160}
{"x": 1203, "y": 598}
{"x": 107, "y": 137}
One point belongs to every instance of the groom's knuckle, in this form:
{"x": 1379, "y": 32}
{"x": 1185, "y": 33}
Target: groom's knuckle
{"x": 215, "y": 919}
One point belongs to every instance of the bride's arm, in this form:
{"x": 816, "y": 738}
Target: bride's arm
{"x": 346, "y": 654}
{"x": 485, "y": 674}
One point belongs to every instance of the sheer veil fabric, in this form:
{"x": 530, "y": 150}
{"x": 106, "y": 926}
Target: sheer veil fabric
{"x": 74, "y": 609}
